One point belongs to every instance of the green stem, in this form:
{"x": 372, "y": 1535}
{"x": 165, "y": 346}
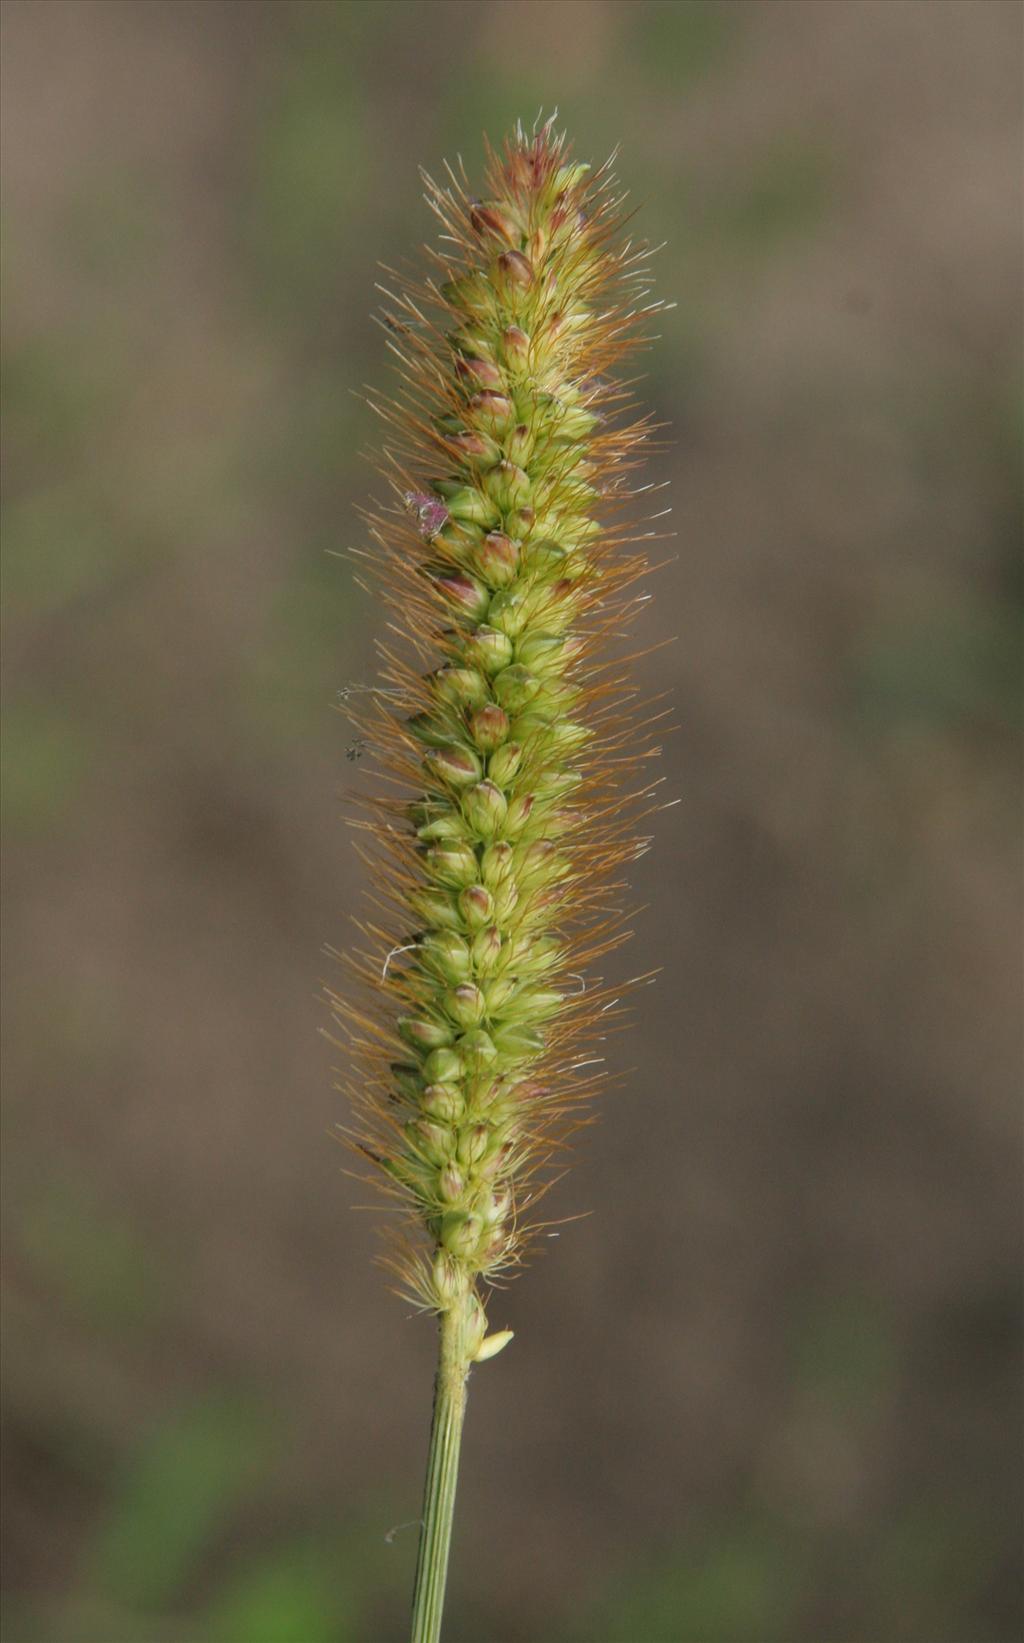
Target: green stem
{"x": 442, "y": 1477}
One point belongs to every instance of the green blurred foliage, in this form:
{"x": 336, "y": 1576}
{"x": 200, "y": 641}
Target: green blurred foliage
{"x": 846, "y": 1355}
{"x": 181, "y": 1549}
{"x": 290, "y": 675}
{"x": 45, "y": 757}
{"x": 745, "y": 1582}
{"x": 306, "y": 184}
{"x": 53, "y": 386}
{"x": 784, "y": 194}
{"x": 59, "y": 548}
{"x": 678, "y": 44}
{"x": 177, "y": 1497}
{"x": 937, "y": 669}
{"x": 91, "y": 1254}
{"x": 295, "y": 1595}
{"x": 112, "y": 228}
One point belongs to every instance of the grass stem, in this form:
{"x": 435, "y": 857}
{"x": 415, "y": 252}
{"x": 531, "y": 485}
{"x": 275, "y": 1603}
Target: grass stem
{"x": 442, "y": 1476}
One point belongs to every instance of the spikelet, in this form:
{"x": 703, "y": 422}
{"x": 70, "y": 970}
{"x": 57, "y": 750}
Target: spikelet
{"x": 510, "y": 742}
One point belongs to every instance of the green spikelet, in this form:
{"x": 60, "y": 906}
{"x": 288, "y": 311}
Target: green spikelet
{"x": 504, "y": 723}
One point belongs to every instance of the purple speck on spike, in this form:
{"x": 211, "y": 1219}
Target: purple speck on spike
{"x": 430, "y": 511}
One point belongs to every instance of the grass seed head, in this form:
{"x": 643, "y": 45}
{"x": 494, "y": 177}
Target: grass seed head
{"x": 509, "y": 745}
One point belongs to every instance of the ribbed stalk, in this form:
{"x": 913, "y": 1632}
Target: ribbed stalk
{"x": 442, "y": 1476}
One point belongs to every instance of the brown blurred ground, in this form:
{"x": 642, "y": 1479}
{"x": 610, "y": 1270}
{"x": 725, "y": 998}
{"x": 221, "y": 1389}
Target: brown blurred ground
{"x": 767, "y": 1391}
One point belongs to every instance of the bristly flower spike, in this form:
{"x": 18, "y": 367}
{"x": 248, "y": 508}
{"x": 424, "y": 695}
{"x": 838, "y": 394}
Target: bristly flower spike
{"x": 511, "y": 742}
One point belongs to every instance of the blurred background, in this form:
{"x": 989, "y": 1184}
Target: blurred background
{"x": 767, "y": 1390}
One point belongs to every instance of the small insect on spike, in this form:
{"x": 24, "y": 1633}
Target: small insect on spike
{"x": 507, "y": 734}
{"x": 430, "y": 511}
